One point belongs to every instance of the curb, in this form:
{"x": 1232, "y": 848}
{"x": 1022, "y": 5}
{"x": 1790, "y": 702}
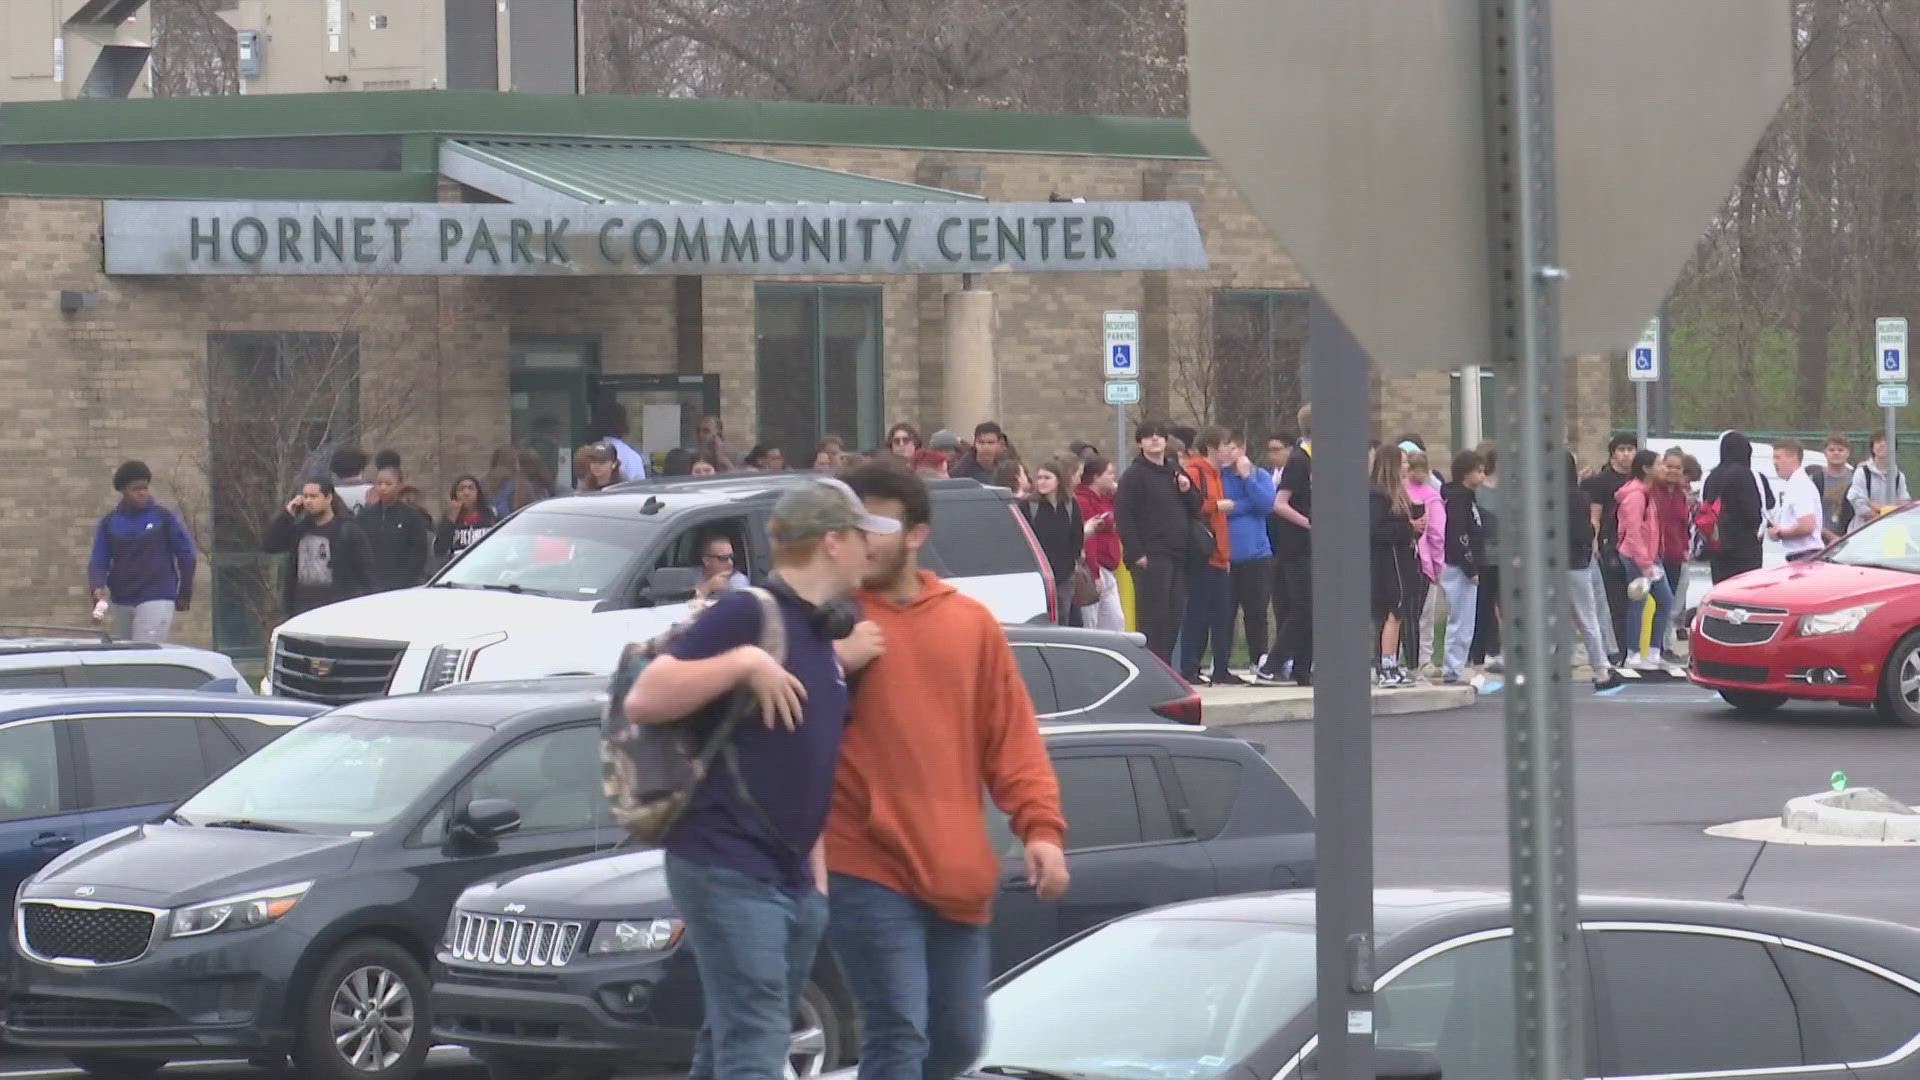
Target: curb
{"x": 1855, "y": 813}
{"x": 1236, "y": 707}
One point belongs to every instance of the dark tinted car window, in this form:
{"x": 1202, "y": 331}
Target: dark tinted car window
{"x": 39, "y": 679}
{"x": 1683, "y": 1003}
{"x": 141, "y": 759}
{"x": 29, "y": 772}
{"x": 216, "y": 748}
{"x": 158, "y": 676}
{"x": 975, "y": 538}
{"x": 1156, "y": 817}
{"x": 1850, "y": 1015}
{"x": 553, "y": 777}
{"x": 1084, "y": 676}
{"x": 1034, "y": 672}
{"x": 1096, "y": 794}
{"x": 1211, "y": 785}
{"x": 251, "y": 734}
{"x": 1458, "y": 1005}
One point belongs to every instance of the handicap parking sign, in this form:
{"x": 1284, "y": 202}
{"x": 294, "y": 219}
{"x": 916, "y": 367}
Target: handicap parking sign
{"x": 1890, "y": 359}
{"x": 1122, "y": 358}
{"x": 1643, "y": 359}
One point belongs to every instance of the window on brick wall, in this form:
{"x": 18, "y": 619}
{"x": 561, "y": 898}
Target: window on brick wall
{"x": 818, "y": 363}
{"x": 1257, "y": 369}
{"x": 278, "y": 406}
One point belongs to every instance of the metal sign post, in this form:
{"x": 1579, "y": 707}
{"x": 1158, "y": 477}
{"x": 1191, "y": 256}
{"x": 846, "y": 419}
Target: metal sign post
{"x": 1643, "y": 368}
{"x": 1525, "y": 280}
{"x": 1890, "y": 367}
{"x": 1120, "y": 364}
{"x": 1419, "y": 137}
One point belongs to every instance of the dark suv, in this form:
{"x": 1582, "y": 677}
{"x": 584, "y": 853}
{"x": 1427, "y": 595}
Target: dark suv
{"x": 579, "y": 965}
{"x": 291, "y": 905}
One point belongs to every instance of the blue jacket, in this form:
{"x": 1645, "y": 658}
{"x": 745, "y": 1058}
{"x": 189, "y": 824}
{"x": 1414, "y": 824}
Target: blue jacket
{"x": 1252, "y": 497}
{"x": 142, "y": 555}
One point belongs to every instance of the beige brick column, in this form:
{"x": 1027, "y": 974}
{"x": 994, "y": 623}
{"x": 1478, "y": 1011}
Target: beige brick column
{"x": 970, "y": 370}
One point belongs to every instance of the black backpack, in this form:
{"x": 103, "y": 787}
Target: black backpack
{"x": 650, "y": 771}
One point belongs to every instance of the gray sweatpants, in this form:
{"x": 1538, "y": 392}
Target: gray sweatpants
{"x": 1584, "y": 586}
{"x": 149, "y": 621}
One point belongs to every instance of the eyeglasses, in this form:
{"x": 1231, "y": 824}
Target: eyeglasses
{"x": 902, "y": 439}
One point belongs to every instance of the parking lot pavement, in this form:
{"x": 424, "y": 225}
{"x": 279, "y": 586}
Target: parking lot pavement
{"x": 1656, "y": 766}
{"x": 449, "y": 1063}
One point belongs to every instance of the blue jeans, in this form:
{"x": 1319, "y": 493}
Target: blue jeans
{"x": 919, "y": 980}
{"x": 1662, "y": 593}
{"x": 753, "y": 945}
{"x": 1209, "y": 618}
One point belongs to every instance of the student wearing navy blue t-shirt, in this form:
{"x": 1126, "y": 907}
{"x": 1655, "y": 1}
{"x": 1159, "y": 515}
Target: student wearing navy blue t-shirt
{"x": 749, "y": 877}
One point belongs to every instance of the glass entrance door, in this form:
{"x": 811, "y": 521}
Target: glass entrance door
{"x": 663, "y": 411}
{"x": 550, "y": 379}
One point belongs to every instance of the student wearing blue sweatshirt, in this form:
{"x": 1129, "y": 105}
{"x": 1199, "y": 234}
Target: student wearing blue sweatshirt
{"x": 1251, "y": 491}
{"x": 143, "y": 560}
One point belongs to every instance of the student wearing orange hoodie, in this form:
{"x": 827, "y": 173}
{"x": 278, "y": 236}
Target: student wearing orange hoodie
{"x": 1210, "y": 573}
{"x": 937, "y": 719}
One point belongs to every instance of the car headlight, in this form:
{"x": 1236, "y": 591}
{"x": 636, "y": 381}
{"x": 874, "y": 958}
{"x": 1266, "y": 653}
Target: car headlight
{"x": 636, "y": 935}
{"x": 1844, "y": 621}
{"x": 452, "y": 662}
{"x": 236, "y": 912}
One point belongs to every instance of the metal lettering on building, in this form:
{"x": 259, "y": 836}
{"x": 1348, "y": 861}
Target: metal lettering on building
{"x": 513, "y": 240}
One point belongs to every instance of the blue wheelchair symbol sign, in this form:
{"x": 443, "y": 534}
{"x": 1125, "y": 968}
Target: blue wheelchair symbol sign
{"x": 1643, "y": 359}
{"x": 1890, "y": 359}
{"x": 1122, "y": 358}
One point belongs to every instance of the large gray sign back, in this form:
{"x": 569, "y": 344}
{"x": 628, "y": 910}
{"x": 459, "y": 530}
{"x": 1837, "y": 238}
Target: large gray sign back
{"x": 1355, "y": 130}
{"x": 508, "y": 240}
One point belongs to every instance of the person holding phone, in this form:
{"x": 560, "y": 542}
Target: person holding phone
{"x": 332, "y": 560}
{"x": 1391, "y": 535}
{"x": 1094, "y": 492}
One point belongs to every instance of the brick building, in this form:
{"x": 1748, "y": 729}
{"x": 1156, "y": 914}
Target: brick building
{"x": 229, "y": 380}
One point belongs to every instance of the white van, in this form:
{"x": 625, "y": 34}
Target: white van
{"x": 563, "y": 585}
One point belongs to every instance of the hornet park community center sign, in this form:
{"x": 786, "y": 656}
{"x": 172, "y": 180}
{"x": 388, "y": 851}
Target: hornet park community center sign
{"x": 509, "y": 240}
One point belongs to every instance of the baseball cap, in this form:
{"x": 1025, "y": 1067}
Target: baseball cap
{"x": 943, "y": 440}
{"x": 821, "y": 506}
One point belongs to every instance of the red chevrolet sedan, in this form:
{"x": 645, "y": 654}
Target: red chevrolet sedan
{"x": 1843, "y": 627}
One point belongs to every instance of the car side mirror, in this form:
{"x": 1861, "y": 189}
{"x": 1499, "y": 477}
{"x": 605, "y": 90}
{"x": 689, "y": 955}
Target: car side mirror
{"x": 485, "y": 819}
{"x": 669, "y": 585}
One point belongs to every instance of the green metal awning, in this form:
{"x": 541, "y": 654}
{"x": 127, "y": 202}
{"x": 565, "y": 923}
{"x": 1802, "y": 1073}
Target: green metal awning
{"x": 657, "y": 173}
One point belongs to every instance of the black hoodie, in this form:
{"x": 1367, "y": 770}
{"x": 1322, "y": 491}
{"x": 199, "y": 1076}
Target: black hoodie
{"x": 330, "y": 562}
{"x": 1152, "y": 512}
{"x": 400, "y": 536}
{"x": 1466, "y": 539}
{"x": 1742, "y": 503}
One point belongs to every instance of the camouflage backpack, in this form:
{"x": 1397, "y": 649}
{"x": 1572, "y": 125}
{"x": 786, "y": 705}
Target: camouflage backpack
{"x": 650, "y": 771}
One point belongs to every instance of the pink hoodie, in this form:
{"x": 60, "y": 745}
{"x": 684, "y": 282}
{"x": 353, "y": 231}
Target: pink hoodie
{"x": 1639, "y": 524}
{"x": 1433, "y": 542}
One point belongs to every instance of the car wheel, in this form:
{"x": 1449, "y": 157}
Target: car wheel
{"x": 367, "y": 1016}
{"x": 1752, "y": 702}
{"x": 115, "y": 1067}
{"x": 1899, "y": 699}
{"x": 818, "y": 1035}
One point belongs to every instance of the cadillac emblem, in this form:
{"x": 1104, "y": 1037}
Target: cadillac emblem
{"x": 320, "y": 668}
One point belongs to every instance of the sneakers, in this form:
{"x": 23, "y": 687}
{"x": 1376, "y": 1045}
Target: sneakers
{"x": 1610, "y": 681}
{"x": 1261, "y": 678}
{"x": 1450, "y": 678}
{"x": 1226, "y": 678}
{"x": 1496, "y": 665}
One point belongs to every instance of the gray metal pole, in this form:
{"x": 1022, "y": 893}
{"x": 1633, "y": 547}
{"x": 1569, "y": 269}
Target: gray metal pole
{"x": 1119, "y": 456}
{"x": 1343, "y": 648}
{"x": 1663, "y": 390}
{"x": 1640, "y": 413}
{"x": 1893, "y": 468}
{"x": 1532, "y": 552}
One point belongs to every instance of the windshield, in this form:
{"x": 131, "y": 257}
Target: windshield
{"x": 1154, "y": 999}
{"x": 334, "y": 774}
{"x": 573, "y": 556}
{"x": 1890, "y": 543}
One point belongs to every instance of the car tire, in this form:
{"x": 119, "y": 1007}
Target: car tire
{"x": 819, "y": 1041}
{"x": 115, "y": 1066}
{"x": 1752, "y": 702}
{"x": 1892, "y": 703}
{"x": 375, "y": 990}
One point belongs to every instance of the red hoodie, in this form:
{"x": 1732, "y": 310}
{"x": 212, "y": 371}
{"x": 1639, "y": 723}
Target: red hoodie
{"x": 1670, "y": 502}
{"x": 1103, "y": 544}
